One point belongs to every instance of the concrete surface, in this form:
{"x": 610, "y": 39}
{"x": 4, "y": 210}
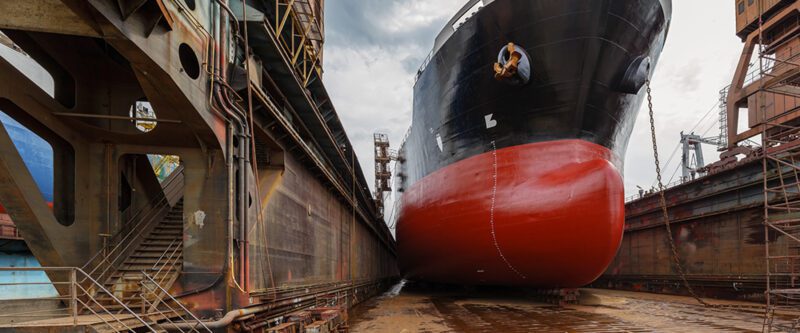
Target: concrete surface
{"x": 413, "y": 307}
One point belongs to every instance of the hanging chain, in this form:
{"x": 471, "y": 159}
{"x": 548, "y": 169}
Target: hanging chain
{"x": 663, "y": 201}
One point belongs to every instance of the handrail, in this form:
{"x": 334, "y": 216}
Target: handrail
{"x": 171, "y": 261}
{"x": 147, "y": 304}
{"x": 165, "y": 292}
{"x": 143, "y": 224}
{"x": 117, "y": 300}
{"x": 169, "y": 247}
{"x": 75, "y": 297}
{"x": 88, "y": 307}
{"x": 655, "y": 191}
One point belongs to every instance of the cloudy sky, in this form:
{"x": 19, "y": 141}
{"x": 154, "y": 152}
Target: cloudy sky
{"x": 374, "y": 48}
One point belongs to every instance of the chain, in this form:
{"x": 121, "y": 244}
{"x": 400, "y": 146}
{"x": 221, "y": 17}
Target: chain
{"x": 665, "y": 214}
{"x": 663, "y": 201}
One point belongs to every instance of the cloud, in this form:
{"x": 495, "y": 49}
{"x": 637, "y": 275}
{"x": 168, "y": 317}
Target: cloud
{"x": 392, "y": 24}
{"x": 372, "y": 53}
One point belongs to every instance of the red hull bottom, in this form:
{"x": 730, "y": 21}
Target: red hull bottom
{"x": 547, "y": 215}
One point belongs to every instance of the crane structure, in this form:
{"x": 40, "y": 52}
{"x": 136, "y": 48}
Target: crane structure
{"x": 692, "y": 161}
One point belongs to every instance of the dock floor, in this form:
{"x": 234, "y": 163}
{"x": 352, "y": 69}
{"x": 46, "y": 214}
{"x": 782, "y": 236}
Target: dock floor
{"x": 411, "y": 307}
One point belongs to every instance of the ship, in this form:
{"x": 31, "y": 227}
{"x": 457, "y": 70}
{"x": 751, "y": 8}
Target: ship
{"x": 36, "y": 153}
{"x": 512, "y": 171}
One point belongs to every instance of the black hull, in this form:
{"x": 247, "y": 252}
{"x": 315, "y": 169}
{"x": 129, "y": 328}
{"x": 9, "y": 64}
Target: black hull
{"x": 579, "y": 52}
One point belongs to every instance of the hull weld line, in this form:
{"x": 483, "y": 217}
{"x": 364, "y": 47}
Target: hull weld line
{"x": 491, "y": 214}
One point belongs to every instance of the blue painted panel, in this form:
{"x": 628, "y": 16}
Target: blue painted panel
{"x": 36, "y": 153}
{"x": 23, "y": 291}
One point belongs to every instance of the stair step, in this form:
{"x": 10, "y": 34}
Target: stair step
{"x": 152, "y": 251}
{"x": 116, "y": 307}
{"x": 170, "y": 231}
{"x": 161, "y": 274}
{"x": 126, "y": 279}
{"x": 165, "y": 235}
{"x": 148, "y": 265}
{"x": 156, "y": 247}
{"x": 156, "y": 237}
{"x": 124, "y": 299}
{"x": 166, "y": 242}
{"x": 144, "y": 267}
{"x": 150, "y": 261}
{"x": 151, "y": 255}
{"x": 169, "y": 228}
{"x": 169, "y": 224}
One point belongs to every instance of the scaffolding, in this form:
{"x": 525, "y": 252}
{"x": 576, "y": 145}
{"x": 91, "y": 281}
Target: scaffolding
{"x": 298, "y": 27}
{"x": 723, "y": 118}
{"x": 773, "y": 101}
{"x": 383, "y": 175}
{"x": 767, "y": 85}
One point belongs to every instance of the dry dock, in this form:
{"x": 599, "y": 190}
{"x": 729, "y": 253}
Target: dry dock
{"x": 417, "y": 308}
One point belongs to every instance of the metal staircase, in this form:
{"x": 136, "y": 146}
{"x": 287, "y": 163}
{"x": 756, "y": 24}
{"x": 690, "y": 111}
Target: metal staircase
{"x": 159, "y": 256}
{"x": 124, "y": 287}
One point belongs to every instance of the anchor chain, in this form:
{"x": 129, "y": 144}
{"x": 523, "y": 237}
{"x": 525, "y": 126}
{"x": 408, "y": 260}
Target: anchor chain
{"x": 663, "y": 201}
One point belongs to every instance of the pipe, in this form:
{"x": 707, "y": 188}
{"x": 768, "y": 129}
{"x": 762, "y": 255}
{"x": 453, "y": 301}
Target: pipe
{"x": 223, "y": 102}
{"x": 232, "y": 316}
{"x": 239, "y": 116}
{"x": 243, "y": 200}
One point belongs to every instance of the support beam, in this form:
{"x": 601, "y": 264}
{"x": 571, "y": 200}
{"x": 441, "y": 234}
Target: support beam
{"x": 44, "y": 16}
{"x": 22, "y": 199}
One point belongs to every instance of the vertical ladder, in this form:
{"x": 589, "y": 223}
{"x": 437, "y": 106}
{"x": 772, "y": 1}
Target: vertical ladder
{"x": 781, "y": 220}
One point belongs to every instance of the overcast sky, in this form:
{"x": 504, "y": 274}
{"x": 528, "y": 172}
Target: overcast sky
{"x": 374, "y": 48}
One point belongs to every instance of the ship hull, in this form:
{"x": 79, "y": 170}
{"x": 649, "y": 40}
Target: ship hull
{"x": 554, "y": 218}
{"x": 496, "y": 219}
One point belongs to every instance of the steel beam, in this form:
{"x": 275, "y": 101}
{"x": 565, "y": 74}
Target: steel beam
{"x": 25, "y": 204}
{"x": 44, "y": 16}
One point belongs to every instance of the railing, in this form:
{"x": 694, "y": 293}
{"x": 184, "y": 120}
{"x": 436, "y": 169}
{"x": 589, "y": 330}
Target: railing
{"x": 424, "y": 65}
{"x": 655, "y": 191}
{"x": 164, "y": 271}
{"x": 76, "y": 303}
{"x": 105, "y": 261}
{"x": 167, "y": 308}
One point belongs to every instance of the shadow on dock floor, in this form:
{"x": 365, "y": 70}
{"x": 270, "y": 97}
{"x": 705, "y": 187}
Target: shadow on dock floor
{"x": 415, "y": 307}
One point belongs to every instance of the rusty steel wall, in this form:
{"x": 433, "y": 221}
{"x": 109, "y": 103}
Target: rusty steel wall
{"x": 717, "y": 223}
{"x": 306, "y": 235}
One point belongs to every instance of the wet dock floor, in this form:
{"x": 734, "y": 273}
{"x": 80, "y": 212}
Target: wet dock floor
{"x": 417, "y": 308}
